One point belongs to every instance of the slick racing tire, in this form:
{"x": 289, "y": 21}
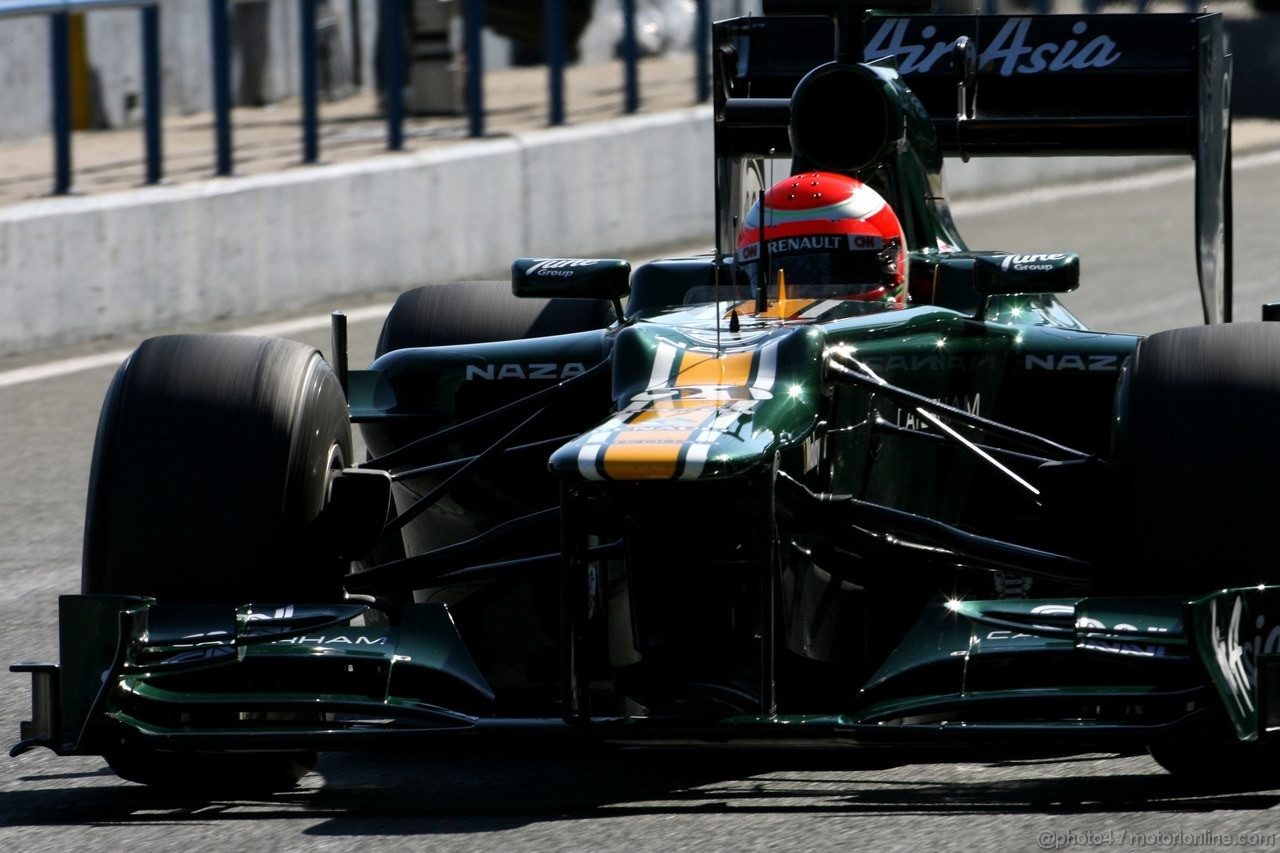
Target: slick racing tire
{"x": 212, "y": 462}
{"x": 1198, "y": 416}
{"x": 475, "y": 312}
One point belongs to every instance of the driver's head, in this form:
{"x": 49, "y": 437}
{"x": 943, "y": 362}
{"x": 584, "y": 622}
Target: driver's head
{"x": 828, "y": 232}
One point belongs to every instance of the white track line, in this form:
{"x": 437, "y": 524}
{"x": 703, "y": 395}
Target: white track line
{"x": 64, "y": 367}
{"x": 977, "y": 207}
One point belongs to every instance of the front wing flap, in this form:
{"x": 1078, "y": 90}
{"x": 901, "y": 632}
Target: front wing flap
{"x": 200, "y": 674}
{"x": 1237, "y": 635}
{"x": 1087, "y": 663}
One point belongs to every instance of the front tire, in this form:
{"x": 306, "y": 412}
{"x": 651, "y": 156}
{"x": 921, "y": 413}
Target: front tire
{"x": 212, "y": 462}
{"x": 1198, "y": 432}
{"x": 211, "y": 466}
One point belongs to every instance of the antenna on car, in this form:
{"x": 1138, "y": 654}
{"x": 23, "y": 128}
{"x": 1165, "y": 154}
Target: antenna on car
{"x": 765, "y": 268}
{"x": 735, "y": 325}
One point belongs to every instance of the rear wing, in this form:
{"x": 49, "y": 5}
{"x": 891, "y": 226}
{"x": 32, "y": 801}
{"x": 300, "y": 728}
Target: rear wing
{"x": 1024, "y": 85}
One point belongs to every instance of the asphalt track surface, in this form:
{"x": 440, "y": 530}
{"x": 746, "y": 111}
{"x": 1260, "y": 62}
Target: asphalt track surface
{"x": 1135, "y": 239}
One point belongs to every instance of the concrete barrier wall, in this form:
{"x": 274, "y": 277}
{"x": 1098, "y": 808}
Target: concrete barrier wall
{"x": 73, "y": 269}
{"x": 593, "y": 189}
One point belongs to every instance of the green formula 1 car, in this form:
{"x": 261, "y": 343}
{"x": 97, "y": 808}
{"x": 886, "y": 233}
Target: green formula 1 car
{"x": 842, "y": 480}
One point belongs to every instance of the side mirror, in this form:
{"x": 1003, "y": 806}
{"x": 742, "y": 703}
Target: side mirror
{"x": 1002, "y": 274}
{"x": 571, "y": 278}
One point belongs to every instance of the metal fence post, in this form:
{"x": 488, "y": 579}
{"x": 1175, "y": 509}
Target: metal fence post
{"x": 219, "y": 30}
{"x": 630, "y": 56}
{"x": 310, "y": 57}
{"x": 152, "y": 102}
{"x": 59, "y": 38}
{"x": 393, "y": 71}
{"x": 554, "y": 38}
{"x": 702, "y": 52}
{"x": 473, "y": 21}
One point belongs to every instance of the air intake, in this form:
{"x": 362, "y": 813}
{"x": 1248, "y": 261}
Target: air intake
{"x": 843, "y": 118}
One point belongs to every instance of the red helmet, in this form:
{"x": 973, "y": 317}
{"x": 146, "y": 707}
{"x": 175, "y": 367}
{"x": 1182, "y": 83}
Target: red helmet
{"x": 826, "y": 231}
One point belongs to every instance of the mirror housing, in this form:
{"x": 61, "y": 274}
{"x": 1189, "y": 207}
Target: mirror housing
{"x": 1004, "y": 274}
{"x": 571, "y": 278}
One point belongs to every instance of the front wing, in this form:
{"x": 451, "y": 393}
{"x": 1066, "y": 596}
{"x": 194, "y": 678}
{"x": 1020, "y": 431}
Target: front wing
{"x": 1014, "y": 672}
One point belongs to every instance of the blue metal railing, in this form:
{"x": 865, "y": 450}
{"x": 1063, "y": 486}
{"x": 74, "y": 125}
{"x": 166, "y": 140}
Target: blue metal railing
{"x": 554, "y": 47}
{"x": 220, "y": 35}
{"x": 59, "y": 14}
{"x": 554, "y": 36}
{"x": 473, "y": 44}
{"x": 702, "y": 51}
{"x": 393, "y": 71}
{"x": 630, "y": 56}
{"x": 309, "y": 87}
{"x": 393, "y": 59}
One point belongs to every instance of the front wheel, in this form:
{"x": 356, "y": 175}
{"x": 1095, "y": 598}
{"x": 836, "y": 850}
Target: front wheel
{"x": 212, "y": 463}
{"x": 1198, "y": 433}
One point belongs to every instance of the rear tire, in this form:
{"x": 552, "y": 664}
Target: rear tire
{"x": 1198, "y": 431}
{"x": 476, "y": 312}
{"x": 212, "y": 462}
{"x": 458, "y": 313}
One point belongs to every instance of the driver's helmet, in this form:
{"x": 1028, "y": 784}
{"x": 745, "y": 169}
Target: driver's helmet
{"x": 832, "y": 235}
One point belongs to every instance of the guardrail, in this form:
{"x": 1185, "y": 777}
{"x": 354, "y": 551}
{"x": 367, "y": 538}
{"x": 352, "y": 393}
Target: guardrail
{"x": 59, "y": 13}
{"x": 392, "y": 26}
{"x": 473, "y": 18}
{"x": 391, "y": 17}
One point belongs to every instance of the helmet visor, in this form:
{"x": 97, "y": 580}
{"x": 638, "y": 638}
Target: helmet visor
{"x": 828, "y": 265}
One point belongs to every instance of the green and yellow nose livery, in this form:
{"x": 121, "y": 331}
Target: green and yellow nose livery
{"x": 688, "y": 411}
